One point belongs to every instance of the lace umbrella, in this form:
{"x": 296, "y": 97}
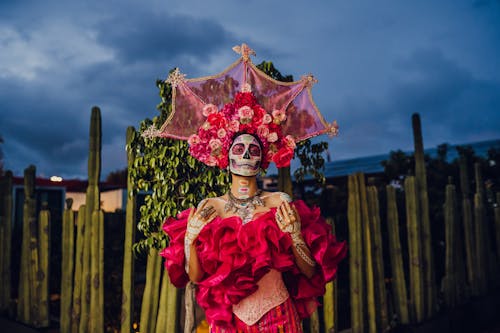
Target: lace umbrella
{"x": 189, "y": 96}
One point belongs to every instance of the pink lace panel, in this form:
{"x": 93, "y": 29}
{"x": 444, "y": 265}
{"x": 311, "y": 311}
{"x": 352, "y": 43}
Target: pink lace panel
{"x": 271, "y": 293}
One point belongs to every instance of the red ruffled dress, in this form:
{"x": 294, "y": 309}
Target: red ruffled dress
{"x": 235, "y": 256}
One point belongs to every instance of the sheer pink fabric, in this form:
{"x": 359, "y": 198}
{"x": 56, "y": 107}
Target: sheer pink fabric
{"x": 190, "y": 95}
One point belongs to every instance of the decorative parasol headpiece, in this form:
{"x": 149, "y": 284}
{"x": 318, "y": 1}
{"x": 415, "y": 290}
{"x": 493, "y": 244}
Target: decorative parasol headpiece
{"x": 209, "y": 111}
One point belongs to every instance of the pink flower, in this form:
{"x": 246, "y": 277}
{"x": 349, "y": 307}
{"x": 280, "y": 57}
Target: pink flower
{"x": 263, "y": 131}
{"x": 290, "y": 141}
{"x": 221, "y": 133}
{"x": 267, "y": 118}
{"x": 209, "y": 109}
{"x": 272, "y": 137}
{"x": 206, "y": 125}
{"x": 211, "y": 161}
{"x": 279, "y": 115}
{"x": 246, "y": 114}
{"x": 234, "y": 126}
{"x": 215, "y": 146}
{"x": 194, "y": 139}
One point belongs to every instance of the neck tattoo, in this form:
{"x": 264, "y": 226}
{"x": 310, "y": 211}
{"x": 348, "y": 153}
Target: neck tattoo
{"x": 244, "y": 208}
{"x": 243, "y": 189}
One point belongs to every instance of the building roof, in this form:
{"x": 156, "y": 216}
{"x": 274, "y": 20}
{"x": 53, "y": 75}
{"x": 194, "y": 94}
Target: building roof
{"x": 71, "y": 185}
{"x": 373, "y": 164}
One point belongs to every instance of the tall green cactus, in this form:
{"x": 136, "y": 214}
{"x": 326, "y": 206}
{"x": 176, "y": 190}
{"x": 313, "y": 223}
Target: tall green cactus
{"x": 96, "y": 314}
{"x": 330, "y": 312}
{"x": 285, "y": 181}
{"x": 168, "y": 309}
{"x": 92, "y": 202}
{"x": 417, "y": 307}
{"x": 355, "y": 255}
{"x": 150, "y": 297}
{"x": 468, "y": 227}
{"x": 378, "y": 259}
{"x": 481, "y": 232}
{"x": 430, "y": 290}
{"x": 162, "y": 319}
{"x": 128, "y": 257}
{"x": 44, "y": 264}
{"x": 371, "y": 305}
{"x": 78, "y": 277}
{"x": 497, "y": 226}
{"x": 398, "y": 275}
{"x": 67, "y": 266}
{"x": 28, "y": 300}
{"x": 450, "y": 283}
{"x": 6, "y": 206}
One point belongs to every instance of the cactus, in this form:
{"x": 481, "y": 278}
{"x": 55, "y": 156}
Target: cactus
{"x": 67, "y": 266}
{"x": 27, "y": 306}
{"x": 92, "y": 202}
{"x": 355, "y": 256}
{"x": 330, "y": 312}
{"x": 398, "y": 275}
{"x": 149, "y": 308}
{"x": 368, "y": 255}
{"x": 161, "y": 320}
{"x": 430, "y": 296}
{"x": 285, "y": 181}
{"x": 6, "y": 206}
{"x": 78, "y": 278}
{"x": 417, "y": 307}
{"x": 96, "y": 315}
{"x": 450, "y": 283}
{"x": 44, "y": 264}
{"x": 168, "y": 307}
{"x": 481, "y": 232}
{"x": 378, "y": 259}
{"x": 468, "y": 227}
{"x": 128, "y": 258}
{"x": 497, "y": 226}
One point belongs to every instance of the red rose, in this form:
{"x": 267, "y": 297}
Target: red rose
{"x": 244, "y": 98}
{"x": 283, "y": 157}
{"x": 216, "y": 120}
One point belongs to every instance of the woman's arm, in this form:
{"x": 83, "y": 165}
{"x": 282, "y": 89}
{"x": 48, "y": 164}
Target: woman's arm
{"x": 289, "y": 221}
{"x": 195, "y": 272}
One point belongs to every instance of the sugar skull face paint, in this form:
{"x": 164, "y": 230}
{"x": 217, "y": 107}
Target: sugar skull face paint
{"x": 245, "y": 156}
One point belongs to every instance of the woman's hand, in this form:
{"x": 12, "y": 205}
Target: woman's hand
{"x": 288, "y": 219}
{"x": 197, "y": 219}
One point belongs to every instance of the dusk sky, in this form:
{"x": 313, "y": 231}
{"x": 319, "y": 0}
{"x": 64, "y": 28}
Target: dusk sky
{"x": 377, "y": 62}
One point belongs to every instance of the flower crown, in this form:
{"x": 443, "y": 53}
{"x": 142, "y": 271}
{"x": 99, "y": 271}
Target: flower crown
{"x": 244, "y": 115}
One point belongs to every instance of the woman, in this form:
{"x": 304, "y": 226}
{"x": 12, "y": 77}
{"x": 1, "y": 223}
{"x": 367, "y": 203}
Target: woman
{"x": 259, "y": 260}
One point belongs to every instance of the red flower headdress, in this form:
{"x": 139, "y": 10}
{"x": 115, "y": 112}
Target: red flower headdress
{"x": 200, "y": 106}
{"x": 211, "y": 143}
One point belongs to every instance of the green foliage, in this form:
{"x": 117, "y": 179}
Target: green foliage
{"x": 311, "y": 160}
{"x": 173, "y": 180}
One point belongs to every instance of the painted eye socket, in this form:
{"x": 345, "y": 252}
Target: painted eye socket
{"x": 254, "y": 150}
{"x": 238, "y": 149}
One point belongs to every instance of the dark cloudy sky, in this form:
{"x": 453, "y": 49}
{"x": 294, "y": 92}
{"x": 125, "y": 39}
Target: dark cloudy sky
{"x": 377, "y": 62}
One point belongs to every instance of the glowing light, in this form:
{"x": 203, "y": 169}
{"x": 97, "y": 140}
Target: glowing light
{"x": 56, "y": 179}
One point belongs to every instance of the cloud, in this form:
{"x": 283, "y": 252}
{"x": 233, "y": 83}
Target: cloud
{"x": 453, "y": 104}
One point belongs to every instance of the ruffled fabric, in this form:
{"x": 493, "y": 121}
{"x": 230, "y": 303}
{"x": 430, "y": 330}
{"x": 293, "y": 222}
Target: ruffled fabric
{"x": 234, "y": 256}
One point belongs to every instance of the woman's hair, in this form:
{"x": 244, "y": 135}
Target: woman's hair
{"x": 253, "y": 135}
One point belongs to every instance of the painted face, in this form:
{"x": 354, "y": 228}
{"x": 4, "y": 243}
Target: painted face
{"x": 245, "y": 156}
